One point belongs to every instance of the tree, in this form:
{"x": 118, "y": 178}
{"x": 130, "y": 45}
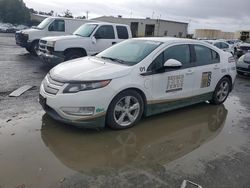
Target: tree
{"x": 68, "y": 14}
{"x": 14, "y": 11}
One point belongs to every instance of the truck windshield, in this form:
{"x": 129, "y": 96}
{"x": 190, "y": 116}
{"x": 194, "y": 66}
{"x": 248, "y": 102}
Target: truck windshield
{"x": 85, "y": 30}
{"x": 130, "y": 52}
{"x": 44, "y": 23}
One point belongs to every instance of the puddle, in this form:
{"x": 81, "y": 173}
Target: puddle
{"x": 38, "y": 151}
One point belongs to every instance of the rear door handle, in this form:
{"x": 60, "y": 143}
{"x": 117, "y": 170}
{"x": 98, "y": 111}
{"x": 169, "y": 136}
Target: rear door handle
{"x": 190, "y": 72}
{"x": 216, "y": 67}
{"x": 113, "y": 43}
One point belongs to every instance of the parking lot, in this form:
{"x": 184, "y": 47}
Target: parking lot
{"x": 206, "y": 144}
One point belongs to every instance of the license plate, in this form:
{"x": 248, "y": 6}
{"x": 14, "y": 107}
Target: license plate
{"x": 42, "y": 101}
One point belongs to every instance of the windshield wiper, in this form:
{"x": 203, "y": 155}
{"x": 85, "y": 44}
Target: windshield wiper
{"x": 78, "y": 35}
{"x": 114, "y": 59}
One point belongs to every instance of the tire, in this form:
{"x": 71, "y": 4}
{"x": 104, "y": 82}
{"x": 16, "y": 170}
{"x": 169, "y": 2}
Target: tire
{"x": 28, "y": 49}
{"x": 34, "y": 48}
{"x": 240, "y": 73}
{"x": 221, "y": 91}
{"x": 73, "y": 54}
{"x": 120, "y": 114}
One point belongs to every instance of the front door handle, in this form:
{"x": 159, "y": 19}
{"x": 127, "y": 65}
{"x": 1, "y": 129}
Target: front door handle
{"x": 113, "y": 43}
{"x": 190, "y": 72}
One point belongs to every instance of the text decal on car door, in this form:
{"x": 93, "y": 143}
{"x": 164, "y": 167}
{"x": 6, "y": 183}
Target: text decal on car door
{"x": 206, "y": 79}
{"x": 175, "y": 83}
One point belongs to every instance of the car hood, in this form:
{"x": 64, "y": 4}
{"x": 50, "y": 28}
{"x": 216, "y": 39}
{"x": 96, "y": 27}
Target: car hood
{"x": 64, "y": 37}
{"x": 245, "y": 44}
{"x": 88, "y": 69}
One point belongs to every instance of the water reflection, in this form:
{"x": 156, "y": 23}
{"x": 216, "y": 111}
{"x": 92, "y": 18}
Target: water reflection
{"x": 155, "y": 141}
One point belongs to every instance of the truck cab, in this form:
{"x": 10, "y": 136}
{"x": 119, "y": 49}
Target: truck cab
{"x": 89, "y": 39}
{"x": 52, "y": 26}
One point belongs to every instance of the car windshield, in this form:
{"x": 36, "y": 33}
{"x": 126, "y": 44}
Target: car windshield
{"x": 85, "y": 30}
{"x": 44, "y": 23}
{"x": 130, "y": 52}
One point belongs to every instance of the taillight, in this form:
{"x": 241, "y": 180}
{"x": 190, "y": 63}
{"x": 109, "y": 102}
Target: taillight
{"x": 231, "y": 60}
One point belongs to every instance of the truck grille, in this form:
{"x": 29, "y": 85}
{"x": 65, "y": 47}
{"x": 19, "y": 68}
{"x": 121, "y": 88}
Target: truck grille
{"x": 245, "y": 48}
{"x": 51, "y": 86}
{"x": 21, "y": 38}
{"x": 42, "y": 45}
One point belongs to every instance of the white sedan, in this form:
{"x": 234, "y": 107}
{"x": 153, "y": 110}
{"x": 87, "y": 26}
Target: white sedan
{"x": 137, "y": 77}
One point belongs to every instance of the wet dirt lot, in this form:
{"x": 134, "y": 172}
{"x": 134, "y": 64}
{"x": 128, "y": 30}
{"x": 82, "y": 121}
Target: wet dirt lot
{"x": 206, "y": 144}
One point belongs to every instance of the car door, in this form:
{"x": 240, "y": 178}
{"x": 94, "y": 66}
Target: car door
{"x": 105, "y": 37}
{"x": 207, "y": 69}
{"x": 172, "y": 84}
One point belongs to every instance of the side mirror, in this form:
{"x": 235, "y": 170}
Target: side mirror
{"x": 172, "y": 63}
{"x": 93, "y": 39}
{"x": 97, "y": 35}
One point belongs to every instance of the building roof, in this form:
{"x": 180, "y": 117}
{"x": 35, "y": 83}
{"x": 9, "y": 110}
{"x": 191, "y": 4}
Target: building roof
{"x": 139, "y": 19}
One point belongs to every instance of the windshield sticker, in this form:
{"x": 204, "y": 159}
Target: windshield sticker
{"x": 175, "y": 83}
{"x": 206, "y": 79}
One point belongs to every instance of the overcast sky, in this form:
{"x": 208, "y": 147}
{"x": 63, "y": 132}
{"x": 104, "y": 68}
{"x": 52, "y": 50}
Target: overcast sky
{"x": 226, "y": 15}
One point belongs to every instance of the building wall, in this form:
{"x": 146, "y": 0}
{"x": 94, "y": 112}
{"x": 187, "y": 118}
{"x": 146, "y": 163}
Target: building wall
{"x": 213, "y": 34}
{"x": 162, "y": 27}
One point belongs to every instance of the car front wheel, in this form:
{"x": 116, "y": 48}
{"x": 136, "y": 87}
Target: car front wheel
{"x": 125, "y": 110}
{"x": 221, "y": 91}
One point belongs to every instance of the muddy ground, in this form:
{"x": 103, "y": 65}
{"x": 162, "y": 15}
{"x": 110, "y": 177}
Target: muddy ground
{"x": 209, "y": 145}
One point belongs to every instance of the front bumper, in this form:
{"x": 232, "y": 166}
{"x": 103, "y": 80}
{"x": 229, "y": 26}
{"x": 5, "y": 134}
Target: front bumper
{"x": 243, "y": 67}
{"x": 22, "y": 40}
{"x": 53, "y": 104}
{"x": 50, "y": 58}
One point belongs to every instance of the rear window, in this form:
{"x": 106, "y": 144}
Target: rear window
{"x": 205, "y": 55}
{"x": 122, "y": 32}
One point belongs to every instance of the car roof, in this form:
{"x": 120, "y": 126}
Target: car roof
{"x": 164, "y": 39}
{"x": 103, "y": 23}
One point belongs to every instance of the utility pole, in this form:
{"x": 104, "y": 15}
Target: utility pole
{"x": 87, "y": 14}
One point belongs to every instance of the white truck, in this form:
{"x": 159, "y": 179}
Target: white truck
{"x": 52, "y": 26}
{"x": 89, "y": 39}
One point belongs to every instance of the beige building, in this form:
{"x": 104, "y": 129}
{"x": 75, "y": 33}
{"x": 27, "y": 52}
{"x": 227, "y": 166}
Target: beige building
{"x": 213, "y": 34}
{"x": 150, "y": 27}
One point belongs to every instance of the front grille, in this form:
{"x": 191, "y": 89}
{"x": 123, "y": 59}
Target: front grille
{"x": 21, "y": 38}
{"x": 245, "y": 48}
{"x": 51, "y": 86}
{"x": 42, "y": 45}
{"x": 243, "y": 69}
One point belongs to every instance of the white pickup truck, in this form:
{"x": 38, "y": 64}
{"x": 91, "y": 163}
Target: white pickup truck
{"x": 52, "y": 26}
{"x": 89, "y": 39}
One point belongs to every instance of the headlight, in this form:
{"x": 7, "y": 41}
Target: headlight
{"x": 76, "y": 87}
{"x": 241, "y": 59}
{"x": 51, "y": 43}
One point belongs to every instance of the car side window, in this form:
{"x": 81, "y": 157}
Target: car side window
{"x": 179, "y": 52}
{"x": 105, "y": 32}
{"x": 217, "y": 45}
{"x": 224, "y": 45}
{"x": 205, "y": 55}
{"x": 122, "y": 32}
{"x": 57, "y": 25}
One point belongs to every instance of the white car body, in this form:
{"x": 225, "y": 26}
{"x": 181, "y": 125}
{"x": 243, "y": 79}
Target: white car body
{"x": 223, "y": 45}
{"x": 161, "y": 91}
{"x": 26, "y": 38}
{"x": 54, "y": 50}
{"x": 243, "y": 64}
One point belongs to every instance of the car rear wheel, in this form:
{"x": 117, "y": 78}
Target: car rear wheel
{"x": 125, "y": 110}
{"x": 221, "y": 91}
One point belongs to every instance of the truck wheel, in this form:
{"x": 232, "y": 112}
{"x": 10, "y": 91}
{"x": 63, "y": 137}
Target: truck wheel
{"x": 221, "y": 91}
{"x": 73, "y": 55}
{"x": 125, "y": 110}
{"x": 34, "y": 49}
{"x": 28, "y": 49}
